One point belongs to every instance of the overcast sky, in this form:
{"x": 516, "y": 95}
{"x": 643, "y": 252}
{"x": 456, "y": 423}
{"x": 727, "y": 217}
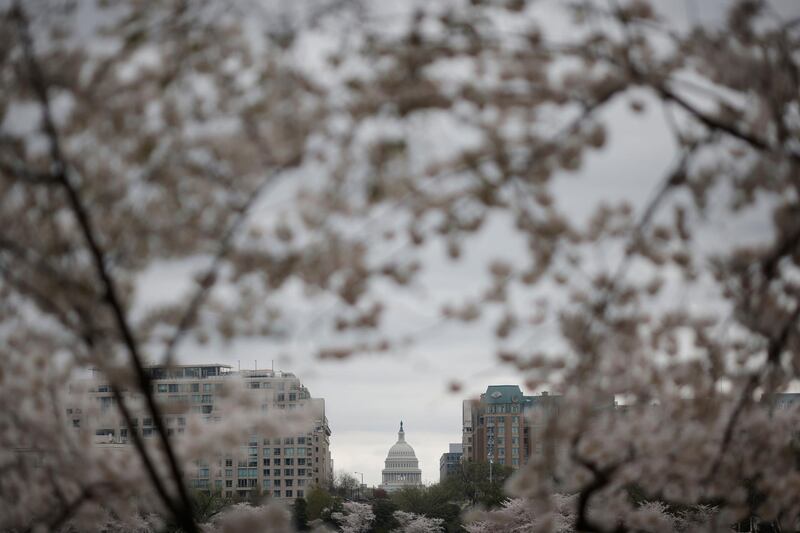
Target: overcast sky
{"x": 366, "y": 397}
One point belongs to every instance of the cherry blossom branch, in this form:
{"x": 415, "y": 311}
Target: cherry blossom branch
{"x": 774, "y": 350}
{"x": 209, "y": 277}
{"x": 602, "y": 478}
{"x": 60, "y": 173}
{"x": 69, "y": 508}
{"x": 717, "y": 124}
{"x": 13, "y": 168}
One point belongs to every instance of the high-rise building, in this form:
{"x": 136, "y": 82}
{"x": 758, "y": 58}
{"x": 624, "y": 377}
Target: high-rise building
{"x": 502, "y": 427}
{"x": 466, "y": 433}
{"x": 281, "y": 467}
{"x": 450, "y": 461}
{"x": 401, "y": 468}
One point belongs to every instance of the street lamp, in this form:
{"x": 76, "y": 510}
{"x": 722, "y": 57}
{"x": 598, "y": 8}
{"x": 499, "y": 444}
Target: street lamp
{"x": 491, "y": 456}
{"x": 362, "y": 484}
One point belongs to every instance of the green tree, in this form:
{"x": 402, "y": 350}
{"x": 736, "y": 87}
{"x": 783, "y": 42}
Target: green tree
{"x": 471, "y": 483}
{"x": 300, "y": 514}
{"x": 317, "y": 501}
{"x": 385, "y": 521}
{"x": 436, "y": 501}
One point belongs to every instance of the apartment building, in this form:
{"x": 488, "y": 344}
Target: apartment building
{"x": 283, "y": 467}
{"x": 504, "y": 425}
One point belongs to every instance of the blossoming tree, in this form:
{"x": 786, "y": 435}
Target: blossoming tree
{"x": 139, "y": 134}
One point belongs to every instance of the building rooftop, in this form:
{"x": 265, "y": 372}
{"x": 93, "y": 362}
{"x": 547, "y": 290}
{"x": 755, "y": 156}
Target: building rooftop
{"x": 505, "y": 394}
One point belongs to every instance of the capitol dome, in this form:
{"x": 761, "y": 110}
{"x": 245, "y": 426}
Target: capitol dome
{"x": 401, "y": 465}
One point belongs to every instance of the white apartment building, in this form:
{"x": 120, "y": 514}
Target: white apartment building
{"x": 283, "y": 467}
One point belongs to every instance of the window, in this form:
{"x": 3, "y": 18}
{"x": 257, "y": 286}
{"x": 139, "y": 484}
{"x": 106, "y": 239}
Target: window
{"x": 217, "y": 483}
{"x": 276, "y": 472}
{"x": 276, "y": 461}
{"x": 301, "y": 461}
{"x": 276, "y": 494}
{"x": 76, "y": 423}
{"x": 147, "y": 432}
{"x": 202, "y": 472}
{"x": 229, "y": 472}
{"x": 301, "y": 440}
{"x": 195, "y": 387}
{"x": 300, "y": 494}
{"x": 281, "y": 397}
{"x": 288, "y": 440}
{"x": 276, "y": 451}
{"x": 288, "y": 483}
{"x": 301, "y": 482}
{"x": 289, "y": 452}
{"x": 288, "y": 461}
{"x": 207, "y": 398}
{"x": 228, "y": 462}
{"x": 102, "y": 388}
{"x": 162, "y": 388}
{"x": 147, "y": 422}
{"x": 181, "y": 421}
{"x": 301, "y": 451}
{"x": 266, "y": 472}
{"x": 301, "y": 471}
{"x": 242, "y": 472}
{"x": 173, "y": 387}
{"x": 207, "y": 387}
{"x": 288, "y": 494}
{"x": 292, "y": 397}
{"x": 206, "y": 409}
{"x": 242, "y": 483}
{"x": 288, "y": 471}
{"x": 266, "y": 462}
{"x": 229, "y": 483}
{"x": 276, "y": 482}
{"x": 106, "y": 402}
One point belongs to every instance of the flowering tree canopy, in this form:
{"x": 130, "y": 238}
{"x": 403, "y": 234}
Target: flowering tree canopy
{"x": 354, "y": 518}
{"x": 415, "y": 523}
{"x": 136, "y": 136}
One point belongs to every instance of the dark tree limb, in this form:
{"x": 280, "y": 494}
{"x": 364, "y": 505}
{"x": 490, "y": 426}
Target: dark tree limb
{"x": 60, "y": 170}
